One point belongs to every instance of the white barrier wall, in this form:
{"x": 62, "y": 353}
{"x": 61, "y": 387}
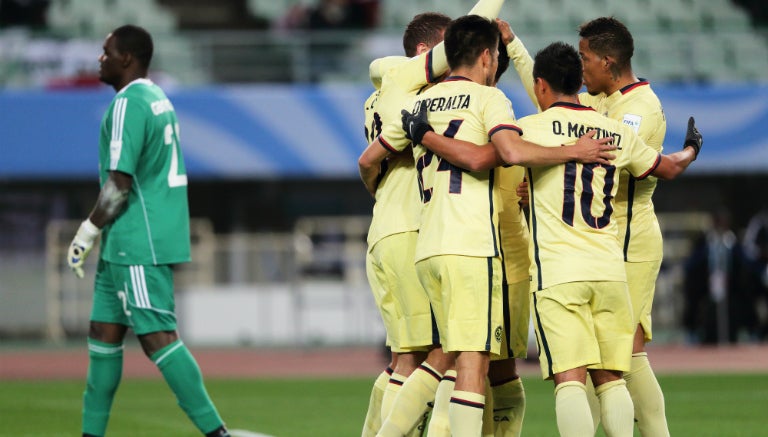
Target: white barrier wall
{"x": 310, "y": 313}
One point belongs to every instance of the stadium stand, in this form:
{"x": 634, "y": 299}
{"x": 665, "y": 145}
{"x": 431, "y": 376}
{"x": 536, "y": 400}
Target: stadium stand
{"x": 202, "y": 41}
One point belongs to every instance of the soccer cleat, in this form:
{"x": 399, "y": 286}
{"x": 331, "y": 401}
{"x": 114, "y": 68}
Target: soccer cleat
{"x": 219, "y": 432}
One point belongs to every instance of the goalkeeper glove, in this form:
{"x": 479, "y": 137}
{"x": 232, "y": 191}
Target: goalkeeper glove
{"x": 81, "y": 246}
{"x": 693, "y": 137}
{"x": 416, "y": 125}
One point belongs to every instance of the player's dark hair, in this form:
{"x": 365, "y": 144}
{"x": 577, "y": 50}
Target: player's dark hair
{"x": 608, "y": 36}
{"x": 467, "y": 37}
{"x": 424, "y": 28}
{"x": 503, "y": 60}
{"x": 136, "y": 41}
{"x": 559, "y": 64}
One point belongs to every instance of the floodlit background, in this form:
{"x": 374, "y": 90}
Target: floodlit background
{"x": 269, "y": 94}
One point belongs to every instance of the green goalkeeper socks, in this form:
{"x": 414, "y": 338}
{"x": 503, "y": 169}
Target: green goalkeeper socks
{"x": 105, "y": 368}
{"x": 182, "y": 374}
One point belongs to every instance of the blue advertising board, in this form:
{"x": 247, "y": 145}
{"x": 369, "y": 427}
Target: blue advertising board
{"x": 271, "y": 131}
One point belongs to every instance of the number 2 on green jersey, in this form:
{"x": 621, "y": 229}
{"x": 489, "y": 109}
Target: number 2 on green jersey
{"x": 175, "y": 179}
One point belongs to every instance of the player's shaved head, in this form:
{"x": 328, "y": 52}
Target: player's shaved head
{"x": 467, "y": 37}
{"x": 136, "y": 41}
{"x": 608, "y": 36}
{"x": 559, "y": 65}
{"x": 425, "y": 28}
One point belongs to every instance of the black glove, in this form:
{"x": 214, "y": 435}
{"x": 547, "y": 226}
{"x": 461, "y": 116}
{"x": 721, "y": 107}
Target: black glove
{"x": 693, "y": 137}
{"x": 416, "y": 125}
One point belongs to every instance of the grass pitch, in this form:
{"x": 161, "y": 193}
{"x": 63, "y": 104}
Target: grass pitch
{"x": 697, "y": 405}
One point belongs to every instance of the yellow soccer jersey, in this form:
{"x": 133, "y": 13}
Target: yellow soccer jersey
{"x": 397, "y": 205}
{"x": 573, "y": 231}
{"x": 460, "y": 214}
{"x": 397, "y": 200}
{"x": 637, "y": 106}
{"x": 380, "y": 66}
{"x": 373, "y": 123}
{"x": 512, "y": 225}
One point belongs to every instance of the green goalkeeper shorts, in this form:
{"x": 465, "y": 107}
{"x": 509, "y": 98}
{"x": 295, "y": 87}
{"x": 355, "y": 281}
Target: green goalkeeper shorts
{"x": 137, "y": 296}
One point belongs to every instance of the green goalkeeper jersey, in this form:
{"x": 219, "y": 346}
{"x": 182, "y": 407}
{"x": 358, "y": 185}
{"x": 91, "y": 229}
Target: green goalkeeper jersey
{"x": 140, "y": 137}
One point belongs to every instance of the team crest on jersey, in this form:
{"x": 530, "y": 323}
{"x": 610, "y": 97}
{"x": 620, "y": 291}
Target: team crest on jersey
{"x": 497, "y": 334}
{"x": 633, "y": 121}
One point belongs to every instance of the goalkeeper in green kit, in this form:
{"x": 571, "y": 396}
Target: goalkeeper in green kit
{"x": 142, "y": 216}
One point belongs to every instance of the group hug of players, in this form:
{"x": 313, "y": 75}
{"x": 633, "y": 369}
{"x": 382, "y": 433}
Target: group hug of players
{"x": 457, "y": 269}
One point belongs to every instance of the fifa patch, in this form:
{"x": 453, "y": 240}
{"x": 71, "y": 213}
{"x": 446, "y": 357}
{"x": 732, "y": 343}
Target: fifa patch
{"x": 497, "y": 334}
{"x": 633, "y": 121}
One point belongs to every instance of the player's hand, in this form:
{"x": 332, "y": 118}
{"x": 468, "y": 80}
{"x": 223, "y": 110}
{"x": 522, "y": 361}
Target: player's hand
{"x": 416, "y": 125}
{"x": 507, "y": 36}
{"x": 81, "y": 246}
{"x": 590, "y": 150}
{"x": 693, "y": 137}
{"x": 522, "y": 193}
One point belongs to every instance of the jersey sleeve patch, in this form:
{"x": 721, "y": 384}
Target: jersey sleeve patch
{"x": 633, "y": 121}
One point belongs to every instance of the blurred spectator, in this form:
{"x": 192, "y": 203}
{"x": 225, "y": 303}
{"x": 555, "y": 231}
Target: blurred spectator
{"x": 757, "y": 10}
{"x": 25, "y": 13}
{"x": 756, "y": 251}
{"x": 326, "y": 52}
{"x": 336, "y": 14}
{"x": 332, "y": 15}
{"x": 718, "y": 305}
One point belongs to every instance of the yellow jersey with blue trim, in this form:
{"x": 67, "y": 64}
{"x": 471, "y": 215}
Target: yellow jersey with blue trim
{"x": 461, "y": 208}
{"x": 513, "y": 226}
{"x": 637, "y": 106}
{"x": 573, "y": 229}
{"x": 397, "y": 204}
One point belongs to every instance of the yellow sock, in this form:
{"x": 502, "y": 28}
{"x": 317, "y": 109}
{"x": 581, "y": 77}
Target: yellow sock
{"x": 594, "y": 403}
{"x": 508, "y": 407}
{"x": 616, "y": 409}
{"x": 572, "y": 410}
{"x": 488, "y": 423}
{"x": 373, "y": 417}
{"x": 466, "y": 413}
{"x": 396, "y": 381}
{"x": 440, "y": 423}
{"x": 408, "y": 409}
{"x": 647, "y": 397}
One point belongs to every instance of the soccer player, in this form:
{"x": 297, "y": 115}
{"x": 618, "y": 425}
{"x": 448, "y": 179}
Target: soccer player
{"x": 507, "y": 394}
{"x": 457, "y": 252}
{"x": 391, "y": 239}
{"x": 384, "y": 300}
{"x": 403, "y": 305}
{"x": 580, "y": 301}
{"x": 606, "y": 47}
{"x": 143, "y": 218}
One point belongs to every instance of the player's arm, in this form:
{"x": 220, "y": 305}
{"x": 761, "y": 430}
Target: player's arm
{"x": 672, "y": 165}
{"x": 112, "y": 198}
{"x": 369, "y": 165}
{"x": 514, "y": 150}
{"x": 110, "y": 203}
{"x": 463, "y": 154}
{"x": 520, "y": 57}
{"x": 509, "y": 146}
{"x": 487, "y": 8}
{"x": 438, "y": 61}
